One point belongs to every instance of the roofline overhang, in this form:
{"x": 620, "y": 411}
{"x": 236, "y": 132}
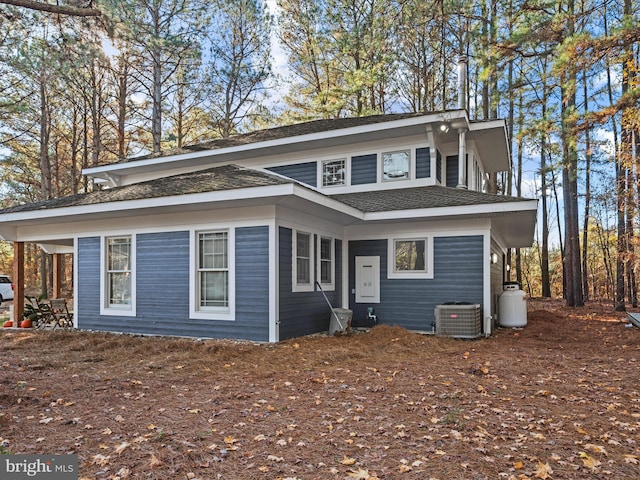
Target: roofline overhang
{"x": 10, "y": 221}
{"x": 115, "y": 170}
{"x": 478, "y": 210}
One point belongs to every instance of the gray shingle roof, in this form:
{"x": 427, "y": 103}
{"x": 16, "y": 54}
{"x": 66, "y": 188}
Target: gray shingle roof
{"x": 286, "y": 131}
{"x": 226, "y": 177}
{"x": 419, "y": 197}
{"x": 231, "y": 177}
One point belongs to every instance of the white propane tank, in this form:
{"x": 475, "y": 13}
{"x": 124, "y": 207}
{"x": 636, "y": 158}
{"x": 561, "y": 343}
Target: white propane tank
{"x": 512, "y": 306}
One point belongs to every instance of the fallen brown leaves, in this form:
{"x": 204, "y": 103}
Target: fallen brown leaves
{"x": 558, "y": 399}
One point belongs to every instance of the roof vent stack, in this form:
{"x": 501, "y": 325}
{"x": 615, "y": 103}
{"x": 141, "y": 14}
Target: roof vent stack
{"x": 462, "y": 82}
{"x": 462, "y": 132}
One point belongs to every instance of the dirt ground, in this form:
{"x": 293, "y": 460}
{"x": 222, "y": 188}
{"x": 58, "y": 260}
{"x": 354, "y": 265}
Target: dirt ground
{"x": 559, "y": 399}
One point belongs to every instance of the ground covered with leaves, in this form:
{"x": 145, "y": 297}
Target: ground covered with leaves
{"x": 559, "y": 399}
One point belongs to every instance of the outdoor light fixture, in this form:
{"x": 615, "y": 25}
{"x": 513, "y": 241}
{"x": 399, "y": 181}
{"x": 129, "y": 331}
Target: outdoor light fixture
{"x": 444, "y": 127}
{"x": 494, "y": 258}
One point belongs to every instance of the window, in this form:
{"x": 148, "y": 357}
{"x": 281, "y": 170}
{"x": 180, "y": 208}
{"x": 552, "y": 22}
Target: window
{"x": 118, "y": 287}
{"x": 410, "y": 255}
{"x": 395, "y": 165}
{"x": 213, "y": 271}
{"x": 333, "y": 173}
{"x": 303, "y": 258}
{"x": 326, "y": 261}
{"x": 410, "y": 258}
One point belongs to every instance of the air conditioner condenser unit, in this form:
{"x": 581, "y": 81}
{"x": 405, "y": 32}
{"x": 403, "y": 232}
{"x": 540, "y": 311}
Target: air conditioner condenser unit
{"x": 458, "y": 320}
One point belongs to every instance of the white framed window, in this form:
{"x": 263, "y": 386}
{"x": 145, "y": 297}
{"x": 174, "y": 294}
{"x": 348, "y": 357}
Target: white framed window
{"x": 326, "y": 262}
{"x": 396, "y": 165}
{"x": 118, "y": 283}
{"x": 303, "y": 264}
{"x": 213, "y": 274}
{"x": 410, "y": 257}
{"x": 334, "y": 172}
{"x": 213, "y": 270}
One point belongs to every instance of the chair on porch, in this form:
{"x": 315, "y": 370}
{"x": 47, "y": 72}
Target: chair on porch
{"x": 39, "y": 313}
{"x": 60, "y": 315}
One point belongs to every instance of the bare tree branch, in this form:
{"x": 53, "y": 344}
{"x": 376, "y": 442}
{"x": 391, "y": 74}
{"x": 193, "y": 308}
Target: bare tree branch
{"x": 60, "y": 9}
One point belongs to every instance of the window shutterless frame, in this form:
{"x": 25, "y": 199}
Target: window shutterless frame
{"x": 303, "y": 254}
{"x": 212, "y": 284}
{"x": 118, "y": 279}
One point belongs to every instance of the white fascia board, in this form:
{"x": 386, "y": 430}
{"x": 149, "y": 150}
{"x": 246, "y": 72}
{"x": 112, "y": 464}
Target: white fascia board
{"x": 467, "y": 210}
{"x": 105, "y": 170}
{"x": 289, "y": 189}
{"x": 117, "y": 206}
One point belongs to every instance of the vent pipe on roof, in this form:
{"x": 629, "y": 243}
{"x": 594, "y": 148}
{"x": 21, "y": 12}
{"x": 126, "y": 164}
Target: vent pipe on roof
{"x": 462, "y": 81}
{"x": 462, "y": 132}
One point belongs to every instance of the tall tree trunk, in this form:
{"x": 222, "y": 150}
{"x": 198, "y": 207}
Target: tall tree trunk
{"x": 544, "y": 256}
{"x": 45, "y": 165}
{"x": 619, "y": 300}
{"x": 122, "y": 78}
{"x": 587, "y": 195}
{"x": 573, "y": 270}
{"x": 156, "y": 120}
{"x": 626, "y": 157}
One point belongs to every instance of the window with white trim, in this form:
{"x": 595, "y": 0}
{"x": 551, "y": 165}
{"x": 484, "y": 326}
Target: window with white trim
{"x": 326, "y": 261}
{"x": 303, "y": 261}
{"x": 334, "y": 173}
{"x": 213, "y": 271}
{"x": 410, "y": 257}
{"x": 396, "y": 165}
{"x": 119, "y": 273}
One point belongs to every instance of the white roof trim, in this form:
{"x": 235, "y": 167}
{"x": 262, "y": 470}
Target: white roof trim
{"x": 292, "y": 140}
{"x": 480, "y": 209}
{"x": 177, "y": 200}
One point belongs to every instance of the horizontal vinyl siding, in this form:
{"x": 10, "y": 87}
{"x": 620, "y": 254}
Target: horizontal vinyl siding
{"x": 88, "y": 288}
{"x": 303, "y": 313}
{"x": 452, "y": 171}
{"x": 302, "y": 172}
{"x": 410, "y": 303}
{"x": 364, "y": 169}
{"x": 162, "y": 297}
{"x": 423, "y": 163}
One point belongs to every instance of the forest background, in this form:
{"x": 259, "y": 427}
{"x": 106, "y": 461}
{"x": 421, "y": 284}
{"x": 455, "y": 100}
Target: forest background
{"x": 85, "y": 83}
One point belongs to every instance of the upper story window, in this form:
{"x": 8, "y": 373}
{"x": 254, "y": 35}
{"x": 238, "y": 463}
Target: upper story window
{"x": 395, "y": 165}
{"x": 334, "y": 173}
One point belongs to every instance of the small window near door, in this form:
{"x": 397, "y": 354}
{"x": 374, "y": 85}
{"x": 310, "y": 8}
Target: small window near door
{"x": 326, "y": 262}
{"x": 410, "y": 258}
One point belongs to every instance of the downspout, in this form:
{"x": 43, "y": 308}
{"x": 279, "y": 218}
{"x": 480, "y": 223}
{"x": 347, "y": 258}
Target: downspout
{"x": 462, "y": 132}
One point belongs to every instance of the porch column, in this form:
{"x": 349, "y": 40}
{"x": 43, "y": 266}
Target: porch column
{"x": 18, "y": 282}
{"x": 57, "y": 275}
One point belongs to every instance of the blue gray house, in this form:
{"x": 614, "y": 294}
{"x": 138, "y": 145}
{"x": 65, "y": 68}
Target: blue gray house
{"x": 230, "y": 238}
